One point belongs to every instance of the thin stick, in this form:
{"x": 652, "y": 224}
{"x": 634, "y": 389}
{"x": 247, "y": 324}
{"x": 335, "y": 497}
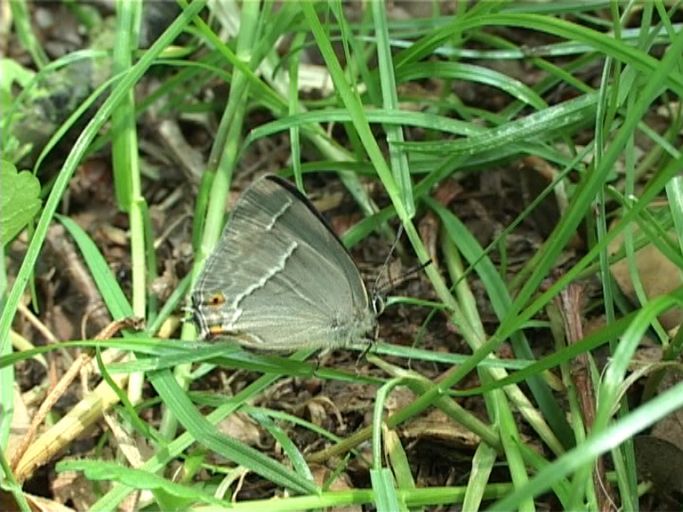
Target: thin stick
{"x": 569, "y": 303}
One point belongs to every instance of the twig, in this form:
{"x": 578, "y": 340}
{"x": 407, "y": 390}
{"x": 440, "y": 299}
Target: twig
{"x": 60, "y": 388}
{"x": 570, "y": 302}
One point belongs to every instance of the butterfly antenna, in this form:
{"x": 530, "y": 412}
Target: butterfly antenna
{"x": 385, "y": 266}
{"x": 404, "y": 277}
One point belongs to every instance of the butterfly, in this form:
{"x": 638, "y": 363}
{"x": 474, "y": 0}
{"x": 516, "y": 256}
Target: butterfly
{"x": 280, "y": 279}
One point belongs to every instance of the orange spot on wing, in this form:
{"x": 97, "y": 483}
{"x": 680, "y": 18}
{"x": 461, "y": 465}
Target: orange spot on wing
{"x": 216, "y": 299}
{"x": 215, "y": 330}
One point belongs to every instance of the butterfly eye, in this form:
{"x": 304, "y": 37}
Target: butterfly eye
{"x": 216, "y": 299}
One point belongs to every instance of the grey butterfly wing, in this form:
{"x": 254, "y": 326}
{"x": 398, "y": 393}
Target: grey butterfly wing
{"x": 307, "y": 225}
{"x": 280, "y": 279}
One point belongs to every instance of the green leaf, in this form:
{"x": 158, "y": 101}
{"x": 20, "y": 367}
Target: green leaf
{"x": 19, "y": 200}
{"x": 12, "y": 73}
{"x": 384, "y": 489}
{"x": 138, "y": 479}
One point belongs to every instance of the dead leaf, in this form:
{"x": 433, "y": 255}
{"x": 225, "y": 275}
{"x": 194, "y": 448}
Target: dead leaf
{"x": 658, "y": 274}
